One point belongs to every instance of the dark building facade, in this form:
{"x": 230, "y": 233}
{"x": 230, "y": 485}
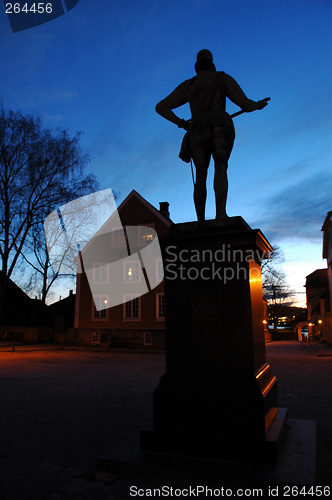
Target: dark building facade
{"x": 139, "y": 320}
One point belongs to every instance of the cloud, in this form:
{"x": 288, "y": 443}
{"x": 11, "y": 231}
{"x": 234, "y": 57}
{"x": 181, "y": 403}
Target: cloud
{"x": 298, "y": 211}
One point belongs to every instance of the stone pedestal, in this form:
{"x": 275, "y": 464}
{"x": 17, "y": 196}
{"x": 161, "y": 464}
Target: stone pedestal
{"x": 218, "y": 397}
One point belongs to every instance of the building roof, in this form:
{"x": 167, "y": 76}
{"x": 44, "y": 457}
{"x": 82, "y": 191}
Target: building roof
{"x": 15, "y": 292}
{"x": 317, "y": 279}
{"x": 155, "y": 211}
{"x": 117, "y": 214}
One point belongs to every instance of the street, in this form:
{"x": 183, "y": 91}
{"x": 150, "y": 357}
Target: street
{"x": 61, "y": 409}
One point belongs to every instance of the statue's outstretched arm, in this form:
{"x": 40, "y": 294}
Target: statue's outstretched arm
{"x": 238, "y": 97}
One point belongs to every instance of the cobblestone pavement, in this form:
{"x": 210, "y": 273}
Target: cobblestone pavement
{"x": 61, "y": 409}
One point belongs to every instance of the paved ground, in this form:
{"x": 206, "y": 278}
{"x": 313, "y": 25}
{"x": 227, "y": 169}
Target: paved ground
{"x": 62, "y": 409}
{"x": 304, "y": 373}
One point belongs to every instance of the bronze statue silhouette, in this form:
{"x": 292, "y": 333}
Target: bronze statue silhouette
{"x": 210, "y": 132}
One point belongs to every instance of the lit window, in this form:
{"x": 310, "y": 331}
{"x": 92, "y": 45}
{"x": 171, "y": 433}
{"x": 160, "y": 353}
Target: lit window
{"x": 99, "y": 304}
{"x": 131, "y": 307}
{"x": 146, "y": 234}
{"x": 132, "y": 271}
{"x": 160, "y": 306}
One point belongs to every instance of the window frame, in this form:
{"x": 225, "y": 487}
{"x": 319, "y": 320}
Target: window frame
{"x": 158, "y": 306}
{"x": 143, "y": 241}
{"x": 114, "y": 242}
{"x": 147, "y": 335}
{"x": 98, "y": 334}
{"x": 125, "y": 273}
{"x": 130, "y": 301}
{"x": 102, "y": 314}
{"x": 101, "y": 266}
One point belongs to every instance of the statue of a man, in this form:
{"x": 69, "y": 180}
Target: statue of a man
{"x": 210, "y": 130}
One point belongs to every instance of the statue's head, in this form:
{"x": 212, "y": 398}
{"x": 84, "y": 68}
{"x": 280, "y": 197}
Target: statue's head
{"x": 204, "y": 61}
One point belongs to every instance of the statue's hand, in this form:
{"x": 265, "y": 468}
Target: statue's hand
{"x": 254, "y": 105}
{"x": 185, "y": 124}
{"x": 261, "y": 104}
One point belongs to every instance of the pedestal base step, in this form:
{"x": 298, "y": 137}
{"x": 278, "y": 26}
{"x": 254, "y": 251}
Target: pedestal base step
{"x": 296, "y": 463}
{"x": 237, "y": 446}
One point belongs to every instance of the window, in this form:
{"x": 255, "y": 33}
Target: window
{"x": 145, "y": 234}
{"x": 132, "y": 271}
{"x": 160, "y": 306}
{"x": 100, "y": 273}
{"x": 95, "y": 337}
{"x": 147, "y": 338}
{"x": 118, "y": 238}
{"x": 99, "y": 304}
{"x": 99, "y": 337}
{"x": 131, "y": 308}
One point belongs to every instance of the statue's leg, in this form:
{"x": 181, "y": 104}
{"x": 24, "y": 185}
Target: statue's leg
{"x": 221, "y": 188}
{"x": 201, "y": 157}
{"x": 222, "y": 147}
{"x": 200, "y": 193}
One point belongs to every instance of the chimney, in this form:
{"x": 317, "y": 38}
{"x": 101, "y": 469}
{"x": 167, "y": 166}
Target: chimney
{"x": 164, "y": 208}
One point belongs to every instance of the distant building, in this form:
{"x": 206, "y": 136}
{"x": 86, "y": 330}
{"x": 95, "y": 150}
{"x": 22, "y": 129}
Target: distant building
{"x": 61, "y": 316}
{"x": 21, "y": 315}
{"x": 327, "y": 254}
{"x": 319, "y": 290}
{"x": 138, "y": 321}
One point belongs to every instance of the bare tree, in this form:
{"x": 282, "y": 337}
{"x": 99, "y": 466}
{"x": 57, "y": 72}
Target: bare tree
{"x": 55, "y": 247}
{"x": 44, "y": 271}
{"x": 39, "y": 170}
{"x": 275, "y": 259}
{"x": 276, "y": 290}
